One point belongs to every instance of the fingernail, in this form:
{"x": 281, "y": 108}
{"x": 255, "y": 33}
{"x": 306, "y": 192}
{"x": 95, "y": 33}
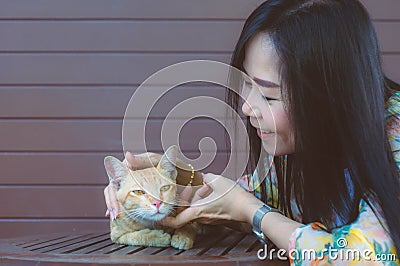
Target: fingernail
{"x": 112, "y": 216}
{"x": 106, "y": 214}
{"x": 115, "y": 214}
{"x": 127, "y": 162}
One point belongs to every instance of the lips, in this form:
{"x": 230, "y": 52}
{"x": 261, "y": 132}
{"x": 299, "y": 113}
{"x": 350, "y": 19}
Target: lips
{"x": 264, "y": 134}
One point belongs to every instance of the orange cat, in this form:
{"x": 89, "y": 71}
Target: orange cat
{"x": 145, "y": 197}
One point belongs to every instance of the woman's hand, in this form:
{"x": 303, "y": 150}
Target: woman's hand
{"x": 133, "y": 162}
{"x": 219, "y": 199}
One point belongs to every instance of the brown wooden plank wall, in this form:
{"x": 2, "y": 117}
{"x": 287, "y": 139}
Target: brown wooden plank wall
{"x": 67, "y": 71}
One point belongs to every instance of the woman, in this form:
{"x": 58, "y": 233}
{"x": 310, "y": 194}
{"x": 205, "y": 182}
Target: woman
{"x": 325, "y": 111}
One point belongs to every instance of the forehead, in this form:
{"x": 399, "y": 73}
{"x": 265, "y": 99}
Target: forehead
{"x": 148, "y": 176}
{"x": 261, "y": 59}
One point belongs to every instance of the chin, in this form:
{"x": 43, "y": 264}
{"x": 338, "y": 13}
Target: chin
{"x": 273, "y": 149}
{"x": 158, "y": 216}
{"x": 269, "y": 149}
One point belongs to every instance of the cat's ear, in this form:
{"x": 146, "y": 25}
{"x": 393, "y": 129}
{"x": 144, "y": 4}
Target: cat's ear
{"x": 168, "y": 162}
{"x": 116, "y": 171}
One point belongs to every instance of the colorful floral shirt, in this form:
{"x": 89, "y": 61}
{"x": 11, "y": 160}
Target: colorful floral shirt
{"x": 366, "y": 238}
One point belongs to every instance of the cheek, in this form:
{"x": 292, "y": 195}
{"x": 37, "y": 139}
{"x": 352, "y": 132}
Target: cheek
{"x": 131, "y": 202}
{"x": 169, "y": 196}
{"x": 275, "y": 118}
{"x": 285, "y": 137}
{"x": 282, "y": 122}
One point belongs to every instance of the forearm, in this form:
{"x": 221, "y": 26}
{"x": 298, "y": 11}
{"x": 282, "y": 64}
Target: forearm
{"x": 277, "y": 227}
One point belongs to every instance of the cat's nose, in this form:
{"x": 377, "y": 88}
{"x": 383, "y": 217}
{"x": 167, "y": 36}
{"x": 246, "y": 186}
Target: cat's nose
{"x": 157, "y": 203}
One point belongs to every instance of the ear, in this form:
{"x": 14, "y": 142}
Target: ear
{"x": 168, "y": 162}
{"x": 116, "y": 171}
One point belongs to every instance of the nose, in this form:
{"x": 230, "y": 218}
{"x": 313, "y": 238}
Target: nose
{"x": 157, "y": 203}
{"x": 249, "y": 108}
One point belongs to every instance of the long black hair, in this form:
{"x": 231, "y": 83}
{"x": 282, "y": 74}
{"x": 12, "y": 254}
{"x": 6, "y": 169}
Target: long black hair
{"x": 335, "y": 93}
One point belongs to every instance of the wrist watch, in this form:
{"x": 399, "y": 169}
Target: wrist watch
{"x": 257, "y": 218}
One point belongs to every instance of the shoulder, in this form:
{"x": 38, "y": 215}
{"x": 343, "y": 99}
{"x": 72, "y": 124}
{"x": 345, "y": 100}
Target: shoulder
{"x": 368, "y": 232}
{"x": 393, "y": 104}
{"x": 370, "y": 226}
{"x": 393, "y": 107}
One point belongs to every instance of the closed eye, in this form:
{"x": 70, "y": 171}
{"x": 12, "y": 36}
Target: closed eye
{"x": 269, "y": 99}
{"x": 249, "y": 85}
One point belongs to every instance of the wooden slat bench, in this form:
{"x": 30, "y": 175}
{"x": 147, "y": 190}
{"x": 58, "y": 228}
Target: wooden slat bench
{"x": 222, "y": 246}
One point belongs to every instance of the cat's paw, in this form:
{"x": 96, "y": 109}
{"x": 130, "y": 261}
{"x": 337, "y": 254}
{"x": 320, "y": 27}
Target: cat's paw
{"x": 181, "y": 241}
{"x": 163, "y": 239}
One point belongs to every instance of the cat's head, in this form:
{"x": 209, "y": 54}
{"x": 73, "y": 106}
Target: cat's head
{"x": 148, "y": 193}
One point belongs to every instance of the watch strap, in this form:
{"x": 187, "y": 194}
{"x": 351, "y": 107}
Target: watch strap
{"x": 257, "y": 218}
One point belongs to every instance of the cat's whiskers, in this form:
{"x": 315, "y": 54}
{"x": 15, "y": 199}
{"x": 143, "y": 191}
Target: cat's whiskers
{"x": 135, "y": 213}
{"x": 127, "y": 219}
{"x": 134, "y": 217}
{"x": 143, "y": 215}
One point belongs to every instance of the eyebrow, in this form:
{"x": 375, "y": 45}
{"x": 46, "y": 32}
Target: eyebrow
{"x": 265, "y": 83}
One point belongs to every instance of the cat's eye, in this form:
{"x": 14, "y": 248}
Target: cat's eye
{"x": 138, "y": 192}
{"x": 165, "y": 188}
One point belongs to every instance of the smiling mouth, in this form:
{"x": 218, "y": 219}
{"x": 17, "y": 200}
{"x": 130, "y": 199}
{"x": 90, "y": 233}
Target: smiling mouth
{"x": 264, "y": 134}
{"x": 259, "y": 130}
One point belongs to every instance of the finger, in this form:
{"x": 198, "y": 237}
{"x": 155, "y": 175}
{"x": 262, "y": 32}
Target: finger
{"x": 201, "y": 193}
{"x": 129, "y": 157}
{"x": 112, "y": 205}
{"x": 186, "y": 193}
{"x": 144, "y": 160}
{"x": 154, "y": 158}
{"x": 209, "y": 178}
{"x": 136, "y": 162}
{"x": 218, "y": 183}
{"x": 210, "y": 221}
{"x": 114, "y": 202}
{"x": 181, "y": 219}
{"x": 107, "y": 199}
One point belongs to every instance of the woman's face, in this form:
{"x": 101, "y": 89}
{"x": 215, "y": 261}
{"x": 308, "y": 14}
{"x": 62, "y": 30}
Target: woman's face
{"x": 263, "y": 103}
